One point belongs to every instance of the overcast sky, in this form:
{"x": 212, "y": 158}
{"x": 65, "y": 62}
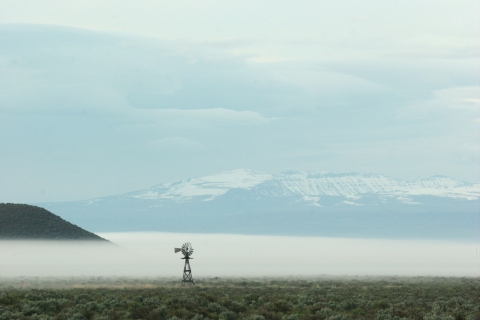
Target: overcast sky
{"x": 103, "y": 97}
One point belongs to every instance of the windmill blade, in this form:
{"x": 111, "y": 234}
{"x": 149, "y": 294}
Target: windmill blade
{"x": 177, "y": 250}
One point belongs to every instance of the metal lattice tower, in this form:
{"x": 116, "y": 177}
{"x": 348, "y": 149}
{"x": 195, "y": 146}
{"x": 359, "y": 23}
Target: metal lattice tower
{"x": 187, "y": 251}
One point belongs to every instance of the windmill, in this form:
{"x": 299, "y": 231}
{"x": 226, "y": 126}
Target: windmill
{"x": 187, "y": 251}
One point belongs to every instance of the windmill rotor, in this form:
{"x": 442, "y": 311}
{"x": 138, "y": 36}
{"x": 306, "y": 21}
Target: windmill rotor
{"x": 187, "y": 249}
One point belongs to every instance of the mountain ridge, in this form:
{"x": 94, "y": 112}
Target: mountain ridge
{"x": 289, "y": 203}
{"x": 310, "y": 184}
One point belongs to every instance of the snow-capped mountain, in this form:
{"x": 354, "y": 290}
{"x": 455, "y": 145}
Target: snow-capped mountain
{"x": 308, "y": 186}
{"x": 291, "y": 202}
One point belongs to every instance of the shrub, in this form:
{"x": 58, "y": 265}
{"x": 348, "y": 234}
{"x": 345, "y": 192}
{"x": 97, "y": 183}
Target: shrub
{"x": 325, "y": 313}
{"x": 30, "y": 308}
{"x": 40, "y": 317}
{"x": 237, "y": 306}
{"x": 78, "y": 316}
{"x": 281, "y": 306}
{"x": 290, "y": 317}
{"x": 337, "y": 317}
{"x": 438, "y": 313}
{"x": 199, "y": 317}
{"x": 349, "y": 305}
{"x": 475, "y": 316}
{"x": 254, "y": 317}
{"x": 227, "y": 315}
{"x": 387, "y": 314}
{"x": 215, "y": 307}
{"x": 159, "y": 313}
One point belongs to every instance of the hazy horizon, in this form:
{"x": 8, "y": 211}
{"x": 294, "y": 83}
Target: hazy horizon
{"x": 151, "y": 254}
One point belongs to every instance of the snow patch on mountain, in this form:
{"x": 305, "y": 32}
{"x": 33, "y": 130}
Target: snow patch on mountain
{"x": 469, "y": 192}
{"x": 353, "y": 203}
{"x": 314, "y": 201}
{"x": 351, "y": 185}
{"x": 208, "y": 187}
{"x": 335, "y": 184}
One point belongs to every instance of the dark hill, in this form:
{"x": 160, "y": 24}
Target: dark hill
{"x": 22, "y": 221}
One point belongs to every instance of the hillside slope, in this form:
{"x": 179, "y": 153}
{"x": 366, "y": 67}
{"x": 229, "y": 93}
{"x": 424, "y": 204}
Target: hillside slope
{"x": 22, "y": 221}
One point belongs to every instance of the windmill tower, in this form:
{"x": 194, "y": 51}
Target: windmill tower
{"x": 187, "y": 251}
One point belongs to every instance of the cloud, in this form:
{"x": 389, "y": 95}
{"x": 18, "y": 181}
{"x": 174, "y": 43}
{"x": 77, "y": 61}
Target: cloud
{"x": 460, "y": 98}
{"x": 218, "y": 117}
{"x": 57, "y": 69}
{"x": 452, "y": 100}
{"x": 175, "y": 143}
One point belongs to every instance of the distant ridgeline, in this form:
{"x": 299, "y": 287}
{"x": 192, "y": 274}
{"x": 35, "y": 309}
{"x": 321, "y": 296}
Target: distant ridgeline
{"x": 300, "y": 203}
{"x": 22, "y": 221}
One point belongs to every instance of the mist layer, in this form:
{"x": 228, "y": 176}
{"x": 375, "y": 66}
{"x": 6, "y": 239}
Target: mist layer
{"x": 152, "y": 255}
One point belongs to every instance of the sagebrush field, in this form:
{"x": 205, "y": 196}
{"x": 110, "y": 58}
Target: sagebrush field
{"x": 230, "y": 299}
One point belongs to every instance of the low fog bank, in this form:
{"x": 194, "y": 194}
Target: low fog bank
{"x": 217, "y": 255}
